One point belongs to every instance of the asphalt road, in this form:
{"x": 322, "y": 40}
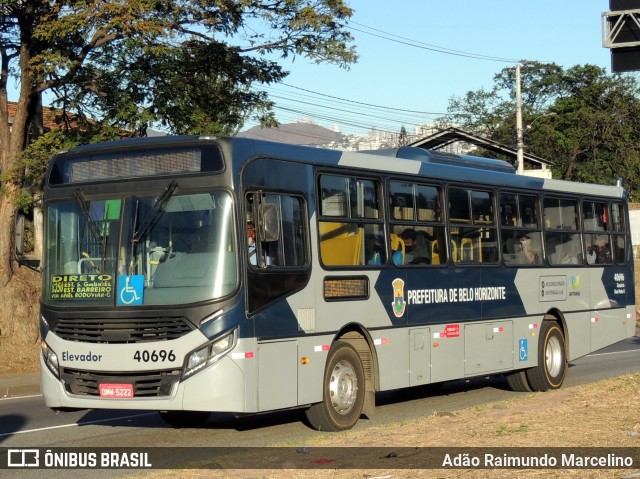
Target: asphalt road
{"x": 26, "y": 422}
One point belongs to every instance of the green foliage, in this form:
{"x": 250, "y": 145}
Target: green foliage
{"x": 190, "y": 67}
{"x": 185, "y": 65}
{"x": 585, "y": 121}
{"x": 28, "y": 171}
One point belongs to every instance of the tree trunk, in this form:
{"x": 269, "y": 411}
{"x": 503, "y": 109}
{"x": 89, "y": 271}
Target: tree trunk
{"x": 38, "y": 233}
{"x": 20, "y": 286}
{"x": 19, "y": 322}
{"x": 7, "y": 218}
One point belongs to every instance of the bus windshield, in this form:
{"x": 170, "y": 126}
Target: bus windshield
{"x": 140, "y": 250}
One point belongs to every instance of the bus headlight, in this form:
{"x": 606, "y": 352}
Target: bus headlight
{"x": 50, "y": 359}
{"x": 209, "y": 354}
{"x": 196, "y": 361}
{"x": 221, "y": 346}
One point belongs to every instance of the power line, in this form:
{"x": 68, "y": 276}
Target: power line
{"x": 335, "y": 109}
{"x": 426, "y": 46}
{"x": 392, "y": 121}
{"x": 346, "y": 110}
{"x": 329, "y": 118}
{"x": 363, "y": 103}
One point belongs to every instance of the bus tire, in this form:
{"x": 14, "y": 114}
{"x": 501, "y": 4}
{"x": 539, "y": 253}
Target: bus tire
{"x": 343, "y": 391}
{"x": 517, "y": 381}
{"x": 552, "y": 359}
{"x": 184, "y": 419}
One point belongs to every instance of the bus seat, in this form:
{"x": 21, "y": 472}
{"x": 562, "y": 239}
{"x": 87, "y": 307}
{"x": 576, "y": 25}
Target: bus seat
{"x": 435, "y": 252}
{"x": 342, "y": 250}
{"x": 454, "y": 250}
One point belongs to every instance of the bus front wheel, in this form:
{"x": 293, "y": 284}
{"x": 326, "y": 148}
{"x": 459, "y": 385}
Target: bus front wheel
{"x": 343, "y": 391}
{"x": 552, "y": 360}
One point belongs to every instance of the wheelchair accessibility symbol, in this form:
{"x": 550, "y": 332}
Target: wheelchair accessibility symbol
{"x": 523, "y": 349}
{"x": 130, "y": 290}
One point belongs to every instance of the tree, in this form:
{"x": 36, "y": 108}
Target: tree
{"x": 115, "y": 67}
{"x": 403, "y": 137}
{"x": 131, "y": 64}
{"x": 584, "y": 120}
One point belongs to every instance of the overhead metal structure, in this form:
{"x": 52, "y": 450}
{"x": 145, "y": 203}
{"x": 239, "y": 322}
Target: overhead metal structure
{"x": 621, "y": 33}
{"x": 452, "y": 134}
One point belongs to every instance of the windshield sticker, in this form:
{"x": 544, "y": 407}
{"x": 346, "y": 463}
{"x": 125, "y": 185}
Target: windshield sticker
{"x": 81, "y": 286}
{"x": 130, "y": 290}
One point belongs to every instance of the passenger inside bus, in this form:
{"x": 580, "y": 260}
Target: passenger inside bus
{"x": 409, "y": 238}
{"x": 251, "y": 241}
{"x": 378, "y": 256}
{"x": 397, "y": 248}
{"x": 522, "y": 249}
{"x": 527, "y": 249}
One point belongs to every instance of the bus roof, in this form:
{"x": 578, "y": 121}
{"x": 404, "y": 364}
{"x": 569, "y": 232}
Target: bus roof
{"x": 404, "y": 160}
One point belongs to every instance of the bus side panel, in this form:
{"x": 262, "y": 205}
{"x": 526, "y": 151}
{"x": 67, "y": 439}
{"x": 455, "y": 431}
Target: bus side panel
{"x": 277, "y": 374}
{"x": 609, "y": 322}
{"x": 564, "y": 290}
{"x": 419, "y": 356}
{"x": 447, "y": 352}
{"x": 311, "y": 362}
{"x": 488, "y": 347}
{"x": 394, "y": 367}
{"x": 578, "y": 334}
{"x": 436, "y": 295}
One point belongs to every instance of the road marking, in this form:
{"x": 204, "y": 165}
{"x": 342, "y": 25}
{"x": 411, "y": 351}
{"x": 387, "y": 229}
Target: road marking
{"x": 614, "y": 352}
{"x": 75, "y": 424}
{"x": 21, "y": 397}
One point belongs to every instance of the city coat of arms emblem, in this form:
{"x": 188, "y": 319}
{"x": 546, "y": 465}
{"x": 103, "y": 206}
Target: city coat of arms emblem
{"x": 399, "y": 303}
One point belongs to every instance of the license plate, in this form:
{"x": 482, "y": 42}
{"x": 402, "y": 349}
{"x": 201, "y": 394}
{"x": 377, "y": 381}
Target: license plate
{"x": 117, "y": 391}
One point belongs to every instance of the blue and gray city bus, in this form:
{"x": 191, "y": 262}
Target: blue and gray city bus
{"x": 188, "y": 275}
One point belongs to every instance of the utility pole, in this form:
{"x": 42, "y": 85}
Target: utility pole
{"x": 520, "y": 146}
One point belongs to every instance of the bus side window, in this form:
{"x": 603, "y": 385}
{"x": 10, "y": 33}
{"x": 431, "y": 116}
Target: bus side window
{"x": 286, "y": 242}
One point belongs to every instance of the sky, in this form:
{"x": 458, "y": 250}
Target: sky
{"x": 405, "y": 79}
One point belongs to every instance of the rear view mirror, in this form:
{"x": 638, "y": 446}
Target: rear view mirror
{"x": 269, "y": 222}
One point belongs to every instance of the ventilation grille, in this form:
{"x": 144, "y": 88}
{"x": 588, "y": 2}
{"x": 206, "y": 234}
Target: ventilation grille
{"x": 120, "y": 331}
{"x": 145, "y": 384}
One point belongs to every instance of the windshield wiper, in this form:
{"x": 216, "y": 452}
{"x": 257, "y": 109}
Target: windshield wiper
{"x": 100, "y": 239}
{"x": 139, "y": 233}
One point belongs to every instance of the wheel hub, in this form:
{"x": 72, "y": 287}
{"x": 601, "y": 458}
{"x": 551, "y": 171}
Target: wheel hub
{"x": 343, "y": 387}
{"x": 553, "y": 356}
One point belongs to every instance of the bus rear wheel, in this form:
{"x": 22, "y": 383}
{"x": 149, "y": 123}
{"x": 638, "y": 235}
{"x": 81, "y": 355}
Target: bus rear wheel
{"x": 552, "y": 360}
{"x": 343, "y": 391}
{"x": 517, "y": 381}
{"x": 184, "y": 419}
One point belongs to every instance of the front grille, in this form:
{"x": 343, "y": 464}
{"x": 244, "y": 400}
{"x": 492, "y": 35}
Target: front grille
{"x": 122, "y": 330}
{"x": 145, "y": 384}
